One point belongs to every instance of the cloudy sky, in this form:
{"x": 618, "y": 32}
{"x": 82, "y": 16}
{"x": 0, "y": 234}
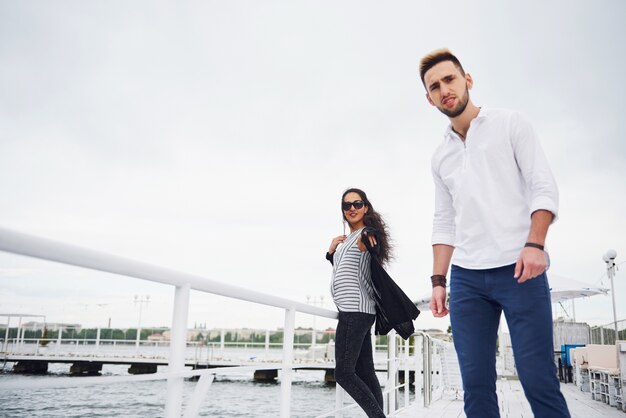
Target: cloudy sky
{"x": 216, "y": 138}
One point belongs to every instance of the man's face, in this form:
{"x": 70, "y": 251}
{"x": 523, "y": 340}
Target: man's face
{"x": 447, "y": 89}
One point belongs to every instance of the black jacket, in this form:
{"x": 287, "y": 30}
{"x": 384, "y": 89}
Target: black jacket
{"x": 394, "y": 309}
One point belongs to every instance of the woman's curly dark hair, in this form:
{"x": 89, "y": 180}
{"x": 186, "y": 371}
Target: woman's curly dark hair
{"x": 374, "y": 220}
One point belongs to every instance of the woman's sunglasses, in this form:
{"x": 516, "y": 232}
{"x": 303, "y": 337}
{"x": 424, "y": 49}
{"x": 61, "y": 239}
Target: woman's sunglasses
{"x": 358, "y": 204}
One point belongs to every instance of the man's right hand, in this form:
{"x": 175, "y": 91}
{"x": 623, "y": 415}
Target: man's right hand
{"x": 335, "y": 243}
{"x": 438, "y": 302}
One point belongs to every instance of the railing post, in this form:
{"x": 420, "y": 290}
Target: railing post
{"x": 6, "y": 335}
{"x": 373, "y": 343}
{"x": 392, "y": 372}
{"x": 602, "y": 335}
{"x": 427, "y": 370}
{"x": 19, "y": 331}
{"x": 178, "y": 342}
{"x": 199, "y": 393}
{"x": 407, "y": 374}
{"x": 23, "y": 339}
{"x": 59, "y": 338}
{"x": 339, "y": 398}
{"x": 285, "y": 377}
{"x": 419, "y": 380}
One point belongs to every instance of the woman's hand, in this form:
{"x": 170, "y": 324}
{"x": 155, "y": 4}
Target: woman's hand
{"x": 362, "y": 246}
{"x": 335, "y": 243}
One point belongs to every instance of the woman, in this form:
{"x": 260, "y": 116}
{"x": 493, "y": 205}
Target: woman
{"x": 352, "y": 292}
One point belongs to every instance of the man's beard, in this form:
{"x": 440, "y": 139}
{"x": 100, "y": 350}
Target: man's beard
{"x": 460, "y": 108}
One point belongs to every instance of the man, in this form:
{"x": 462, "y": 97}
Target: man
{"x": 495, "y": 198}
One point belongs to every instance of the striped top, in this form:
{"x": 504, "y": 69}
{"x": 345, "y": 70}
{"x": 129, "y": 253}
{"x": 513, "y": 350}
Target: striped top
{"x": 351, "y": 286}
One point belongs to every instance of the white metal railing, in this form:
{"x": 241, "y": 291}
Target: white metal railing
{"x": 422, "y": 356}
{"x": 14, "y": 344}
{"x": 396, "y": 359}
{"x": 28, "y": 245}
{"x": 435, "y": 367}
{"x": 605, "y": 334}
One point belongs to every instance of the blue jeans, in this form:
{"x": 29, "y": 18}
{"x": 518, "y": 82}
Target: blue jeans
{"x": 477, "y": 299}
{"x": 354, "y": 361}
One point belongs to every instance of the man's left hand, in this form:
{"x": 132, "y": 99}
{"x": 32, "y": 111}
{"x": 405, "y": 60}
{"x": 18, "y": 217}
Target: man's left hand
{"x": 530, "y": 264}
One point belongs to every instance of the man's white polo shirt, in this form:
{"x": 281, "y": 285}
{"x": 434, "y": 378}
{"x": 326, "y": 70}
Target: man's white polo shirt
{"x": 486, "y": 188}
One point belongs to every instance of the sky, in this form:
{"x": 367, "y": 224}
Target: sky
{"x": 216, "y": 138}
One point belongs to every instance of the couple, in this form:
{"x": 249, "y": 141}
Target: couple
{"x": 495, "y": 198}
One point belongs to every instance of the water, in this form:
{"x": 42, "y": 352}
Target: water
{"x": 232, "y": 395}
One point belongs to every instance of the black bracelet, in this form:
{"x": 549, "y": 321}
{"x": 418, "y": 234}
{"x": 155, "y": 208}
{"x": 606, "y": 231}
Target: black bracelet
{"x": 533, "y": 245}
{"x": 438, "y": 280}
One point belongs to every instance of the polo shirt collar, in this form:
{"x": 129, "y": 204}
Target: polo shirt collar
{"x": 483, "y": 114}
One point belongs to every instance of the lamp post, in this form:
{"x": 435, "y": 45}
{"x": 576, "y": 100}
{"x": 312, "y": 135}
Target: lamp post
{"x": 315, "y": 302}
{"x": 140, "y": 300}
{"x": 609, "y": 259}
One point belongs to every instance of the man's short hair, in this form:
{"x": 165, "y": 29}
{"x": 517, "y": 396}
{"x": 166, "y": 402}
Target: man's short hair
{"x": 437, "y": 56}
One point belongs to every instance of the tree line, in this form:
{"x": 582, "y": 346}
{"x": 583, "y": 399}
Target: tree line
{"x": 302, "y": 335}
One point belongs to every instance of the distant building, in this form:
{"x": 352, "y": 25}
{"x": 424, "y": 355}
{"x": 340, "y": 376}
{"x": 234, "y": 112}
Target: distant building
{"x": 157, "y": 336}
{"x": 191, "y": 335}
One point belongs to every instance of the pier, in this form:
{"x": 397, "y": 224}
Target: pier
{"x": 513, "y": 404}
{"x": 87, "y": 357}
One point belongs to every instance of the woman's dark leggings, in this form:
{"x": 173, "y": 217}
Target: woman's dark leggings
{"x": 354, "y": 362}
